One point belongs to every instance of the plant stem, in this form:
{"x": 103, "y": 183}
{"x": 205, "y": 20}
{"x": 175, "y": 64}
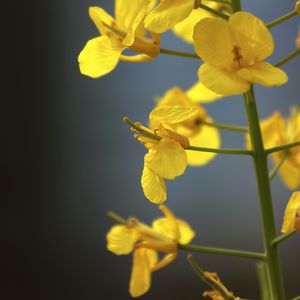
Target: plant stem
{"x": 226, "y": 127}
{"x": 213, "y": 11}
{"x": 221, "y": 151}
{"x": 178, "y": 53}
{"x": 221, "y": 1}
{"x": 116, "y": 218}
{"x": 296, "y": 298}
{"x": 222, "y": 251}
{"x": 283, "y": 147}
{"x": 236, "y": 5}
{"x": 278, "y": 166}
{"x": 287, "y": 58}
{"x": 282, "y": 19}
{"x": 262, "y": 177}
{"x": 282, "y": 237}
{"x": 263, "y": 281}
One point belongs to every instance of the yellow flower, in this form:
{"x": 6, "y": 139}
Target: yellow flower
{"x": 166, "y": 159}
{"x": 167, "y": 14}
{"x": 277, "y": 131}
{"x": 291, "y": 219}
{"x": 199, "y": 93}
{"x": 102, "y": 54}
{"x": 176, "y": 102}
{"x": 233, "y": 52}
{"x": 185, "y": 28}
{"x": 146, "y": 242}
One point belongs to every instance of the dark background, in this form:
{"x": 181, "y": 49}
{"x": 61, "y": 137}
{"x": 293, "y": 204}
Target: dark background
{"x": 67, "y": 158}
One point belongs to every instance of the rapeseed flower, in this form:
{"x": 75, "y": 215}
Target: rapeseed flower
{"x": 146, "y": 243}
{"x": 191, "y": 126}
{"x": 102, "y": 54}
{"x": 291, "y": 219}
{"x": 233, "y": 52}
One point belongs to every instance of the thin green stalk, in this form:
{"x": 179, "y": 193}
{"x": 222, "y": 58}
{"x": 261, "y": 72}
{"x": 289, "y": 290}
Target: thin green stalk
{"x": 116, "y": 218}
{"x": 213, "y": 11}
{"x": 296, "y": 298}
{"x": 226, "y": 127}
{"x": 222, "y": 1}
{"x": 222, "y": 251}
{"x": 287, "y": 58}
{"x": 282, "y": 237}
{"x": 263, "y": 281}
{"x": 278, "y": 166}
{"x": 178, "y": 53}
{"x": 221, "y": 151}
{"x": 236, "y": 5}
{"x": 282, "y": 19}
{"x": 266, "y": 205}
{"x": 282, "y": 148}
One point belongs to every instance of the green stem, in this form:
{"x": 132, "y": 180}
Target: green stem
{"x": 226, "y": 127}
{"x": 282, "y": 237}
{"x": 282, "y": 19}
{"x": 278, "y": 166}
{"x": 221, "y": 151}
{"x": 178, "y": 53}
{"x": 221, "y": 1}
{"x": 263, "y": 183}
{"x": 263, "y": 281}
{"x": 116, "y": 218}
{"x": 296, "y": 298}
{"x": 222, "y": 251}
{"x": 236, "y": 5}
{"x": 213, "y": 11}
{"x": 282, "y": 148}
{"x": 287, "y": 58}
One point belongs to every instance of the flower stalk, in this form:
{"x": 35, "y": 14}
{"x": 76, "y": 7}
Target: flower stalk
{"x": 282, "y": 237}
{"x": 289, "y": 57}
{"x": 282, "y": 19}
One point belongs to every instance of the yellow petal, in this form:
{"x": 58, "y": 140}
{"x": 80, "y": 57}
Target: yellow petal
{"x": 154, "y": 186}
{"x": 165, "y": 228}
{"x": 291, "y": 210}
{"x": 99, "y": 56}
{"x": 99, "y": 15}
{"x": 140, "y": 280}
{"x": 172, "y": 114}
{"x": 185, "y": 28}
{"x": 208, "y": 137}
{"x": 264, "y": 74}
{"x": 121, "y": 239}
{"x": 252, "y": 36}
{"x": 167, "y": 14}
{"x": 199, "y": 93}
{"x": 167, "y": 159}
{"x": 221, "y": 81}
{"x": 289, "y": 172}
{"x": 212, "y": 42}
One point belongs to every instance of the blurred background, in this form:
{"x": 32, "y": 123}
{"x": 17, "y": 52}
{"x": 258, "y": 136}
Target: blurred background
{"x": 67, "y": 159}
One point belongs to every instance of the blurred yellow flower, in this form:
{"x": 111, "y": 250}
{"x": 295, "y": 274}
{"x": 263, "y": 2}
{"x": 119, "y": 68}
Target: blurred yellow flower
{"x": 167, "y": 14}
{"x": 277, "y": 131}
{"x": 101, "y": 54}
{"x": 185, "y": 28}
{"x": 166, "y": 159}
{"x": 199, "y": 93}
{"x": 291, "y": 219}
{"x": 233, "y": 52}
{"x": 146, "y": 242}
{"x": 190, "y": 125}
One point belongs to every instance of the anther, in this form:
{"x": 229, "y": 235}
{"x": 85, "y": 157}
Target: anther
{"x": 237, "y": 55}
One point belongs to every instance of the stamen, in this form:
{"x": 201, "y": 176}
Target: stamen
{"x": 237, "y": 55}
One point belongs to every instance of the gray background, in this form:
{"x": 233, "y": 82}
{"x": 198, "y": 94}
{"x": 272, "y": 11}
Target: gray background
{"x": 68, "y": 159}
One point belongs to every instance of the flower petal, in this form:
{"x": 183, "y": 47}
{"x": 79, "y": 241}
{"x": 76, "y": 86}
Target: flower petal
{"x": 167, "y": 159}
{"x": 167, "y": 14}
{"x": 140, "y": 280}
{"x": 221, "y": 81}
{"x": 212, "y": 41}
{"x": 208, "y": 137}
{"x": 121, "y": 239}
{"x": 290, "y": 213}
{"x": 264, "y": 74}
{"x": 99, "y": 15}
{"x": 99, "y": 56}
{"x": 154, "y": 186}
{"x": 252, "y": 36}
{"x": 199, "y": 93}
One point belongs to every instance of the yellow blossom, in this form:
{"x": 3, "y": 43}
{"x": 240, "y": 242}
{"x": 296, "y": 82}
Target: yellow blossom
{"x": 185, "y": 28}
{"x": 166, "y": 159}
{"x": 291, "y": 219}
{"x": 102, "y": 54}
{"x": 233, "y": 52}
{"x": 146, "y": 243}
{"x": 277, "y": 131}
{"x": 189, "y": 118}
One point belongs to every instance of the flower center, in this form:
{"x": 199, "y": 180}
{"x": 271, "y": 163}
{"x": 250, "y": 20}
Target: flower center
{"x": 237, "y": 57}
